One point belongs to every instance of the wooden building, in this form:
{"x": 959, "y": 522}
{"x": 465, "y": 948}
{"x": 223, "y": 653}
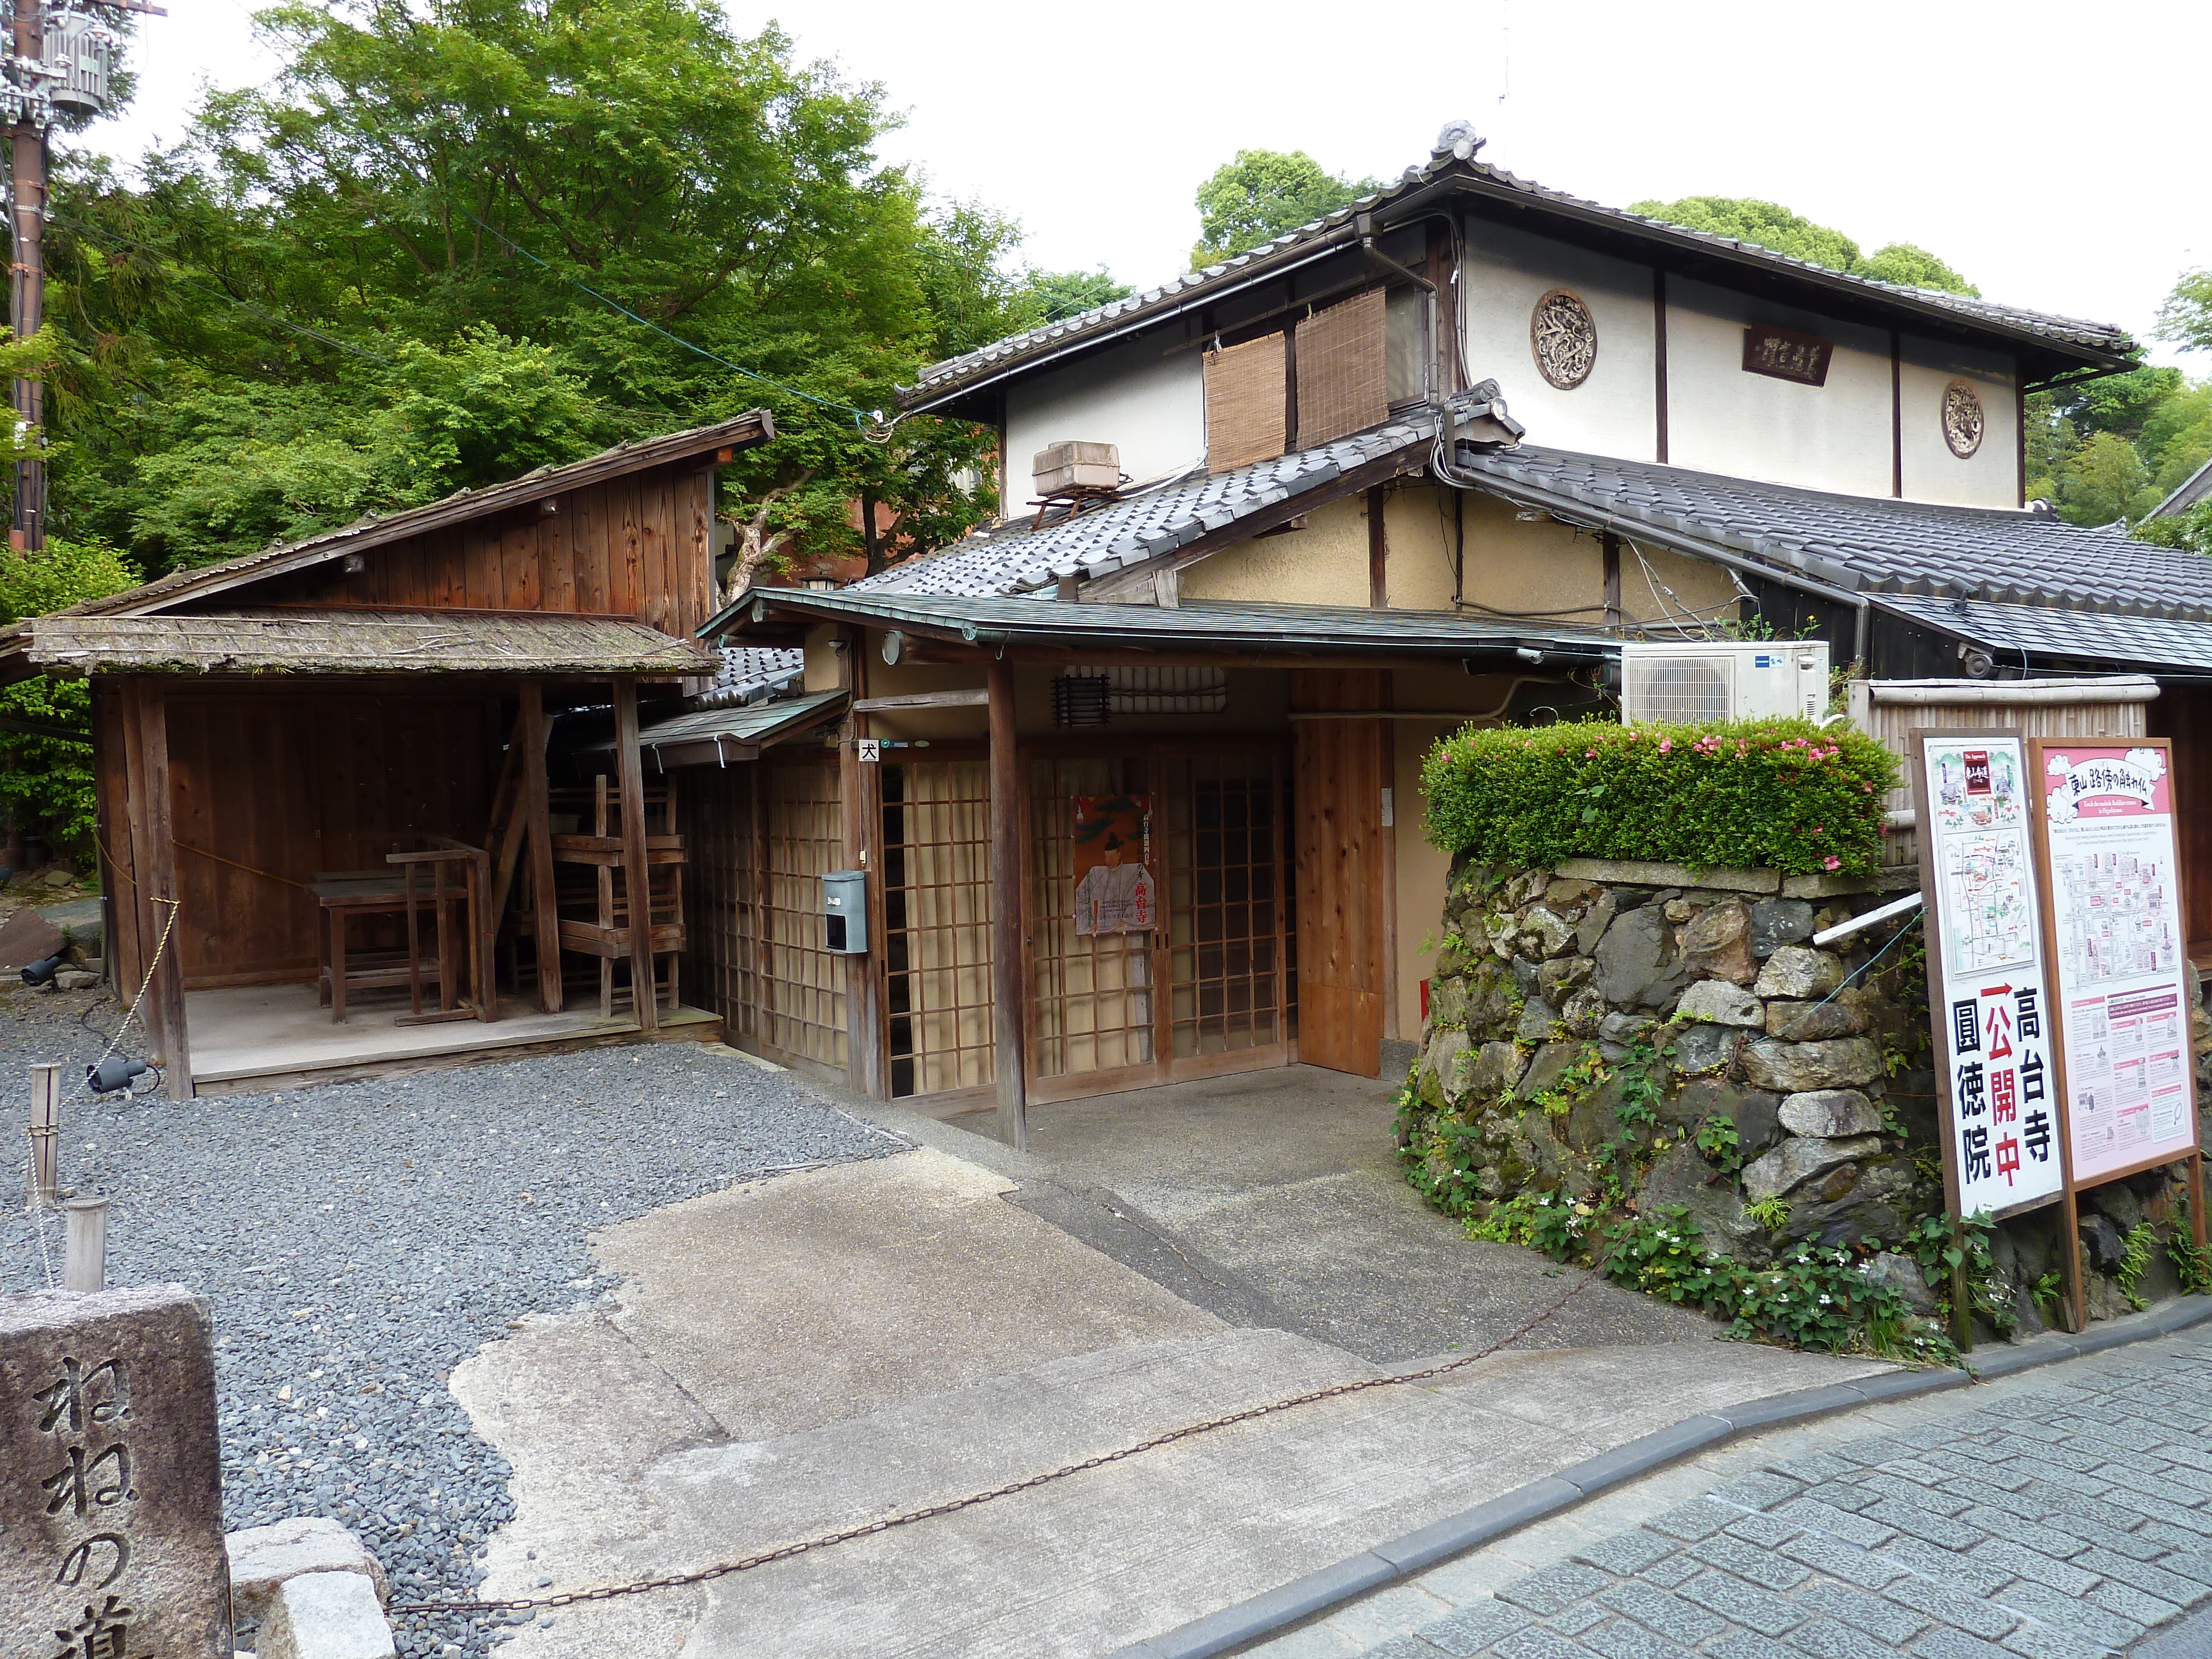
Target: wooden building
{"x": 280, "y": 740}
{"x": 1321, "y": 541}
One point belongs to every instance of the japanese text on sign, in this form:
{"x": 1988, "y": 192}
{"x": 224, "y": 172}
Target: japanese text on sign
{"x": 1993, "y": 1016}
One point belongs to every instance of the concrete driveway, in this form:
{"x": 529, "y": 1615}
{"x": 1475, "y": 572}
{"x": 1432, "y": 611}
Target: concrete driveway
{"x": 830, "y": 1346}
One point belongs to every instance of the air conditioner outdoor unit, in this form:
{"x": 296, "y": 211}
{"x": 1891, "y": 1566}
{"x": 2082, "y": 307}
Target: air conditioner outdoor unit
{"x": 1724, "y": 680}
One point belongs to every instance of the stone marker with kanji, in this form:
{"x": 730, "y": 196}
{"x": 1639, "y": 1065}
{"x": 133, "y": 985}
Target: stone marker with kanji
{"x": 110, "y": 1490}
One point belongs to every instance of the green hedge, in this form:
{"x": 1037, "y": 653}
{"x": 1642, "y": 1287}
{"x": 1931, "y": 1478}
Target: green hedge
{"x": 1777, "y": 793}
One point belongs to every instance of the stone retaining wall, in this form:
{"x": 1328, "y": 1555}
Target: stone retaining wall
{"x": 1586, "y": 1023}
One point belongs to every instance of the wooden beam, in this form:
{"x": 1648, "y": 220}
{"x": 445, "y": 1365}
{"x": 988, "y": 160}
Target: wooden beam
{"x": 979, "y": 697}
{"x": 537, "y": 806}
{"x": 1611, "y": 544}
{"x": 866, "y": 1038}
{"x": 1006, "y": 929}
{"x": 1659, "y": 364}
{"x": 1896, "y": 414}
{"x": 1379, "y": 549}
{"x": 155, "y": 859}
{"x": 637, "y": 875}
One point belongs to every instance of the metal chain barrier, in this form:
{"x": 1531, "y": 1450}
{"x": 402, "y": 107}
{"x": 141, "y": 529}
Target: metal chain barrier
{"x": 785, "y": 1552}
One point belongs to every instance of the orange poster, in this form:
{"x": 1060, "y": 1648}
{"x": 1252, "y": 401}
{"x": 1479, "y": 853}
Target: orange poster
{"x": 1114, "y": 890}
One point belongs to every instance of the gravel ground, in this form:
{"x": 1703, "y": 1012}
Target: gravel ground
{"x": 359, "y": 1241}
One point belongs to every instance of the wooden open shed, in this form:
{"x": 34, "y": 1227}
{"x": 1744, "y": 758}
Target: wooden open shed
{"x": 329, "y": 825}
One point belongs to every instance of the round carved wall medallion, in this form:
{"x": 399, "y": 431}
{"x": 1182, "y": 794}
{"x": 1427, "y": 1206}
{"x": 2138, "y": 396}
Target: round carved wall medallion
{"x": 1563, "y": 335}
{"x": 1962, "y": 419}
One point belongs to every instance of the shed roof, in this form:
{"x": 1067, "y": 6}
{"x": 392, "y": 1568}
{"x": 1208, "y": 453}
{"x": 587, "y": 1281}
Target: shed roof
{"x": 165, "y": 593}
{"x": 2086, "y": 344}
{"x": 1210, "y": 627}
{"x": 355, "y": 642}
{"x": 708, "y": 735}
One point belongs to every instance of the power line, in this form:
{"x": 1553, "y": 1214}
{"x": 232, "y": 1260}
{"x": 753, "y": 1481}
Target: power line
{"x": 217, "y": 294}
{"x": 860, "y": 417}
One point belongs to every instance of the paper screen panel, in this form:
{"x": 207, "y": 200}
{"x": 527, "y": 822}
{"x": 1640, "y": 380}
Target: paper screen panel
{"x": 937, "y": 925}
{"x": 1225, "y": 894}
{"x": 806, "y": 1011}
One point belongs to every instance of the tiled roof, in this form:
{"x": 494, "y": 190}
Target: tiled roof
{"x": 750, "y": 672}
{"x": 1012, "y": 557}
{"x": 2069, "y": 334}
{"x": 2197, "y": 487}
{"x": 2143, "y": 641}
{"x": 1870, "y": 545}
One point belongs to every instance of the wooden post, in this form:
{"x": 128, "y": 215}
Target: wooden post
{"x": 636, "y": 873}
{"x": 46, "y": 1134}
{"x": 537, "y": 806}
{"x": 2070, "y": 1246}
{"x": 861, "y": 814}
{"x": 1007, "y": 999}
{"x": 84, "y": 1246}
{"x": 155, "y": 863}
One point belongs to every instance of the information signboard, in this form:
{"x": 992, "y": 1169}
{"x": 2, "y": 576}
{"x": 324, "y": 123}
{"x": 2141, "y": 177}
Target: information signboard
{"x": 1987, "y": 993}
{"x": 2119, "y": 951}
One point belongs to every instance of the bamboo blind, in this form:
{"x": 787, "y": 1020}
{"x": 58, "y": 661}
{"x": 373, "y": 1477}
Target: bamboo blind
{"x": 1247, "y": 403}
{"x": 1343, "y": 383}
{"x": 937, "y": 925}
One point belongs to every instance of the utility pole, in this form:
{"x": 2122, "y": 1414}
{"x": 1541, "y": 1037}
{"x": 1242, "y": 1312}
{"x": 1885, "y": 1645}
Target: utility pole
{"x": 28, "y": 270}
{"x": 58, "y": 63}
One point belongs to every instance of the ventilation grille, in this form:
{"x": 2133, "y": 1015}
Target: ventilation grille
{"x": 1079, "y": 699}
{"x": 1680, "y": 690}
{"x": 1163, "y": 691}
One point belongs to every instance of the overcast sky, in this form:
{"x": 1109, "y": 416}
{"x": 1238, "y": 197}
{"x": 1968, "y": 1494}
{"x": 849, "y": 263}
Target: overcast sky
{"x": 2054, "y": 155}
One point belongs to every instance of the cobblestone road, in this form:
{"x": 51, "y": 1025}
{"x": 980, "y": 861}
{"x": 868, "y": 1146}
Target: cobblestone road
{"x": 2055, "y": 1515}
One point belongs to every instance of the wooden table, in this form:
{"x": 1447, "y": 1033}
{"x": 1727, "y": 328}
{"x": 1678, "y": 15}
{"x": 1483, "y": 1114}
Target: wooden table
{"x": 339, "y": 898}
{"x": 461, "y": 975}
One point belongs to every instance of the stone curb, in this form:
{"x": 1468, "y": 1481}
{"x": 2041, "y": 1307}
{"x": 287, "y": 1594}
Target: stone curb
{"x": 1275, "y": 1611}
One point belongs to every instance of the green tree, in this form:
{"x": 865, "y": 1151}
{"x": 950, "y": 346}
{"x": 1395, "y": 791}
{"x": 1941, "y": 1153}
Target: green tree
{"x": 47, "y": 778}
{"x": 2190, "y": 528}
{"x": 443, "y": 245}
{"x": 1053, "y": 296}
{"x": 1770, "y": 225}
{"x": 2186, "y": 318}
{"x": 2104, "y": 480}
{"x": 1260, "y": 195}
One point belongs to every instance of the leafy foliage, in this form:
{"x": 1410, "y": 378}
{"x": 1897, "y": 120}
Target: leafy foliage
{"x": 2113, "y": 449}
{"x": 2186, "y": 318}
{"x": 1777, "y": 793}
{"x": 1262, "y": 194}
{"x": 1814, "y": 1298}
{"x": 1770, "y": 225}
{"x": 1053, "y": 296}
{"x": 363, "y": 283}
{"x": 46, "y": 777}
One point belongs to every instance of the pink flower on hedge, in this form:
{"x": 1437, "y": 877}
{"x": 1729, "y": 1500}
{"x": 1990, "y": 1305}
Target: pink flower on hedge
{"x": 1666, "y": 745}
{"x": 1832, "y": 862}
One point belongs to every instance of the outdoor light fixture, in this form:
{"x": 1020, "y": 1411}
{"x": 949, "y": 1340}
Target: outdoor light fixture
{"x": 42, "y": 972}
{"x": 114, "y": 1072}
{"x": 1528, "y": 653}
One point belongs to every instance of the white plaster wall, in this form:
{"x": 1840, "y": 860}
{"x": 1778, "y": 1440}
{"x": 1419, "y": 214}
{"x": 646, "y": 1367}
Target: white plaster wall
{"x": 1721, "y": 419}
{"x": 1149, "y": 406}
{"x": 1613, "y": 412}
{"x": 1990, "y": 476}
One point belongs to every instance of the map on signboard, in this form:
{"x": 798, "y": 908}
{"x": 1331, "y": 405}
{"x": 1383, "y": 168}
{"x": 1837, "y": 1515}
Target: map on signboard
{"x": 1975, "y": 786}
{"x": 2113, "y": 920}
{"x": 1989, "y": 901}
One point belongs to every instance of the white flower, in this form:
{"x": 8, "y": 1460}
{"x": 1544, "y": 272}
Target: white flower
{"x": 1825, "y": 1300}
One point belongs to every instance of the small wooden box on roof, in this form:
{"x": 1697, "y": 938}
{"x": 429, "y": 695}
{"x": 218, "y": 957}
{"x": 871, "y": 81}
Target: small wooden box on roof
{"x": 285, "y": 745}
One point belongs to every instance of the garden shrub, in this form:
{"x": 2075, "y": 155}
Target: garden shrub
{"x": 1782, "y": 793}
{"x": 45, "y": 778}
